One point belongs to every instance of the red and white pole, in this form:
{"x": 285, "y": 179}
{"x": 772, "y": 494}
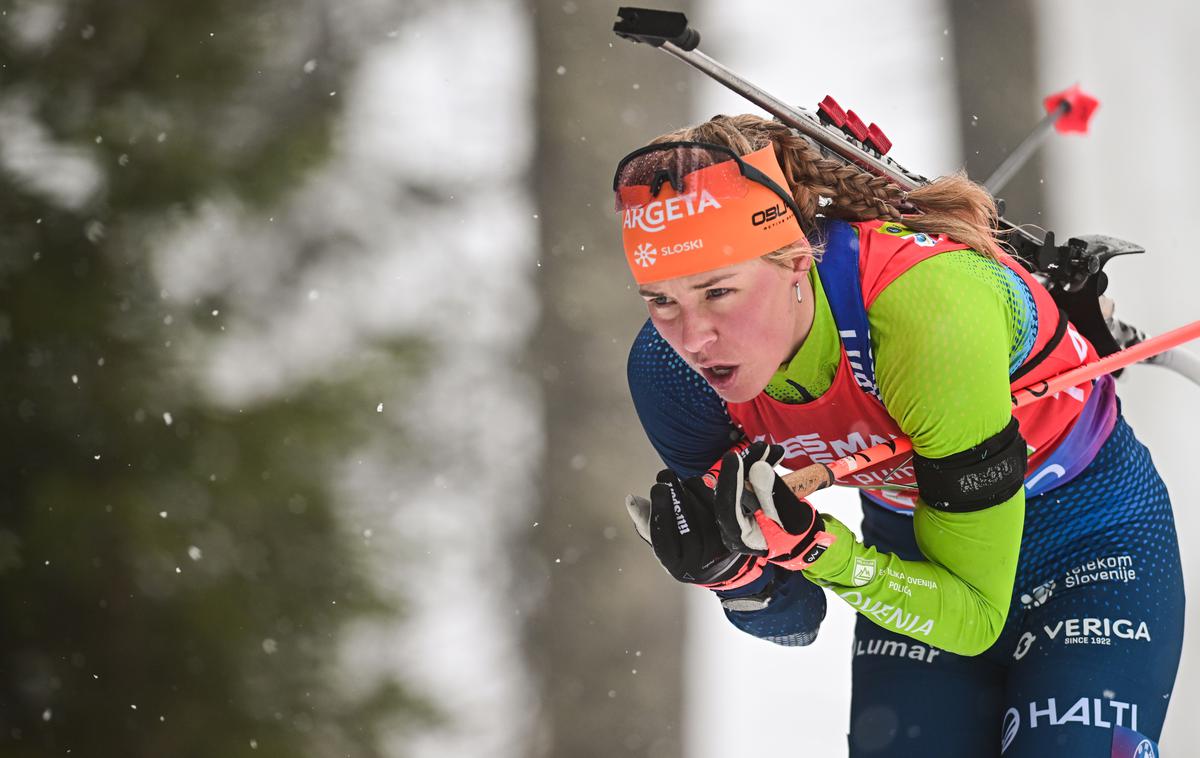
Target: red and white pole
{"x": 809, "y": 479}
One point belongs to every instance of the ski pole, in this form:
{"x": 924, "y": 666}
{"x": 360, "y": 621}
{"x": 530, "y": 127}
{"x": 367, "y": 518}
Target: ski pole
{"x": 1176, "y": 359}
{"x": 818, "y": 476}
{"x": 1067, "y": 111}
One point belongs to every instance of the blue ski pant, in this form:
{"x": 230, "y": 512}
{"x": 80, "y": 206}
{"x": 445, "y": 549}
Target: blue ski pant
{"x": 1086, "y": 662}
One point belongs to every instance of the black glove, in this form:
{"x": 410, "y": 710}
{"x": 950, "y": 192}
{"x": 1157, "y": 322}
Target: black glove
{"x": 777, "y": 524}
{"x": 679, "y": 522}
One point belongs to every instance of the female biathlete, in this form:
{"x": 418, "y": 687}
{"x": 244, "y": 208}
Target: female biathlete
{"x": 1018, "y": 581}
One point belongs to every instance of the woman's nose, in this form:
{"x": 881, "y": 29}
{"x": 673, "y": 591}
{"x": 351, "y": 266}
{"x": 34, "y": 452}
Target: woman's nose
{"x": 697, "y": 332}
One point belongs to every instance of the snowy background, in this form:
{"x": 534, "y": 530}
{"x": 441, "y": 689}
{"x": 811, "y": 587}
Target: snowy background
{"x": 401, "y": 287}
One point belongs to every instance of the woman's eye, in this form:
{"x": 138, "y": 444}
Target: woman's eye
{"x": 660, "y": 301}
{"x": 716, "y": 292}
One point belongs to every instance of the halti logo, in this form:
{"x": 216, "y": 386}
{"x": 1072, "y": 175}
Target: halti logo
{"x": 653, "y": 216}
{"x": 1097, "y": 712}
{"x": 644, "y": 255}
{"x": 1008, "y": 731}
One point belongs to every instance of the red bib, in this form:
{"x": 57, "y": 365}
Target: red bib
{"x": 846, "y": 418}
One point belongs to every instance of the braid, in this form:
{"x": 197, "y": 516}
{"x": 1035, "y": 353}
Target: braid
{"x": 853, "y": 194}
{"x": 950, "y": 205}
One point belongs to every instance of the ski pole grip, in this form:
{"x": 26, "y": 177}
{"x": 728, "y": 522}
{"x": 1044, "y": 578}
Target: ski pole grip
{"x": 656, "y": 27}
{"x": 803, "y": 482}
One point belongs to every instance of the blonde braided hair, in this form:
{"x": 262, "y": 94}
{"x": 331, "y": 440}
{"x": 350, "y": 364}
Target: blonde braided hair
{"x": 951, "y": 205}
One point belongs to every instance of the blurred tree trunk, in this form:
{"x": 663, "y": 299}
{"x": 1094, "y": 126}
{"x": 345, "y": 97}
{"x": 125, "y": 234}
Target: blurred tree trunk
{"x": 174, "y": 575}
{"x": 995, "y": 55}
{"x": 606, "y": 639}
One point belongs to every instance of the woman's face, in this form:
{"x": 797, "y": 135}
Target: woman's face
{"x": 734, "y": 325}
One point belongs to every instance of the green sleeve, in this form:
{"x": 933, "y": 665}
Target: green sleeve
{"x": 943, "y": 335}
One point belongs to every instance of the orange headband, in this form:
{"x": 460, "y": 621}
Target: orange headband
{"x": 683, "y": 234}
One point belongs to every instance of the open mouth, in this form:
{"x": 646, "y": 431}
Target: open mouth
{"x": 719, "y": 376}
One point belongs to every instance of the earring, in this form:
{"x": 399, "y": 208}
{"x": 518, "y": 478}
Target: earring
{"x": 799, "y": 293}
